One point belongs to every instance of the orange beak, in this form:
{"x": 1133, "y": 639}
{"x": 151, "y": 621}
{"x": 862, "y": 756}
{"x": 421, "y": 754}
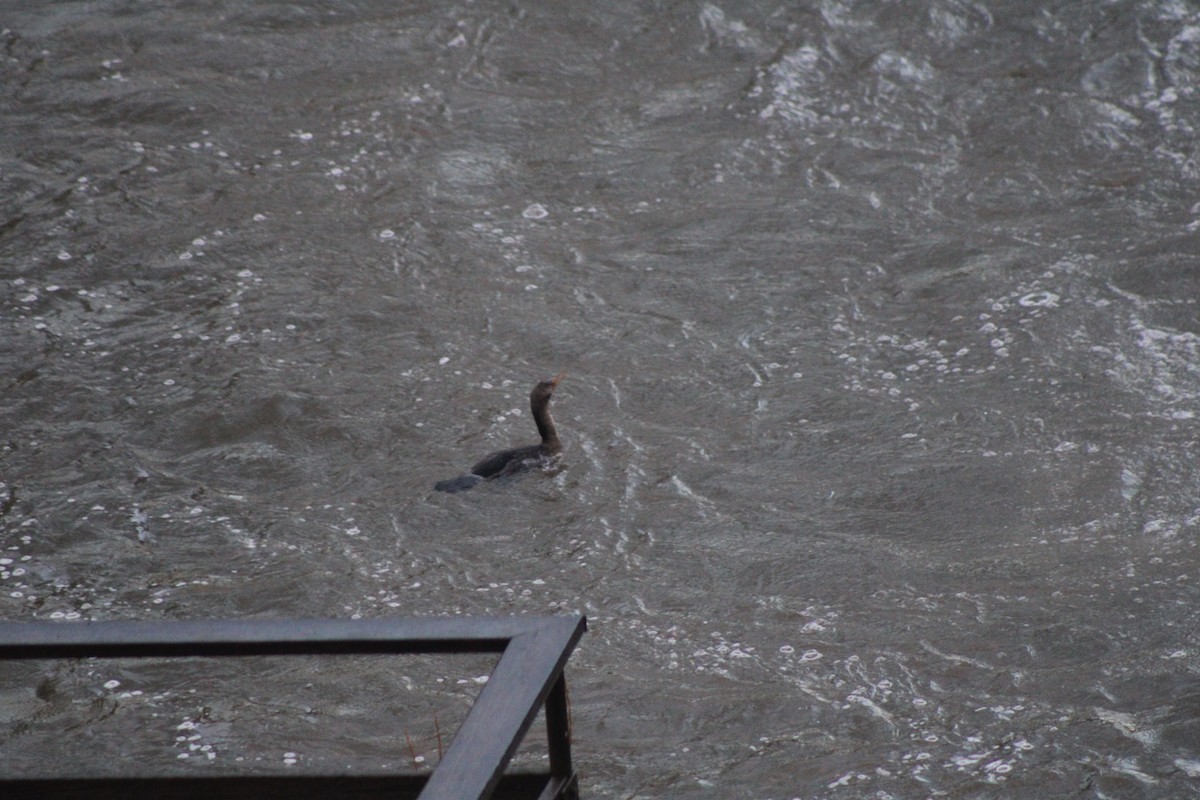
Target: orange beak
{"x": 554, "y": 381}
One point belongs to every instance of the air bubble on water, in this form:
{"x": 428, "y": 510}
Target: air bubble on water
{"x": 535, "y": 211}
{"x": 1039, "y": 300}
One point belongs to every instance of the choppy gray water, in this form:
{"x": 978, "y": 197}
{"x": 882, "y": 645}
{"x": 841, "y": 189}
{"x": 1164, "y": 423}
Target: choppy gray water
{"x": 883, "y": 344}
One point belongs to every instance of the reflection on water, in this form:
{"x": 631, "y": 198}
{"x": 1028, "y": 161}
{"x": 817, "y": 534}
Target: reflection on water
{"x": 254, "y": 715}
{"x": 881, "y": 326}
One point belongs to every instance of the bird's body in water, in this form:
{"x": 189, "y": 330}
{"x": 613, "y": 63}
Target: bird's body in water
{"x": 518, "y": 459}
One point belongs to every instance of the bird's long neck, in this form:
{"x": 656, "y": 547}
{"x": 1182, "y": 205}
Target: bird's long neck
{"x": 540, "y": 406}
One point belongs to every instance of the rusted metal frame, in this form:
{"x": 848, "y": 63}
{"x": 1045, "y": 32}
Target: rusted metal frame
{"x": 528, "y": 675}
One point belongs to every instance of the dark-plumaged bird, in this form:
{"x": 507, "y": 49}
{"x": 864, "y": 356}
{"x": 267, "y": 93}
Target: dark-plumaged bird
{"x": 518, "y": 459}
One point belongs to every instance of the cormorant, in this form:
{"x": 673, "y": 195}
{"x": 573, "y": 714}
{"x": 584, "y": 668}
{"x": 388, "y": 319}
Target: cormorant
{"x": 518, "y": 459}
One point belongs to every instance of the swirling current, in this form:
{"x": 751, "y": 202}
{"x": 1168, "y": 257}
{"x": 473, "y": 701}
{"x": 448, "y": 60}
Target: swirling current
{"x": 881, "y": 324}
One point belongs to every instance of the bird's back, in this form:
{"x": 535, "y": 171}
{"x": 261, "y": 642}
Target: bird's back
{"x": 506, "y": 462}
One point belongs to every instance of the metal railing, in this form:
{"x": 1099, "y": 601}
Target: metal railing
{"x": 527, "y": 676}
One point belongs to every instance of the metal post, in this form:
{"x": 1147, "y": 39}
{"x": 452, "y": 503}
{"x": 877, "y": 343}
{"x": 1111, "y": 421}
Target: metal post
{"x": 558, "y": 737}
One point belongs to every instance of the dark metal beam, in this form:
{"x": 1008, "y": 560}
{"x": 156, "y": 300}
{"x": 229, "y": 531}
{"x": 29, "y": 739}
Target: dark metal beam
{"x": 518, "y": 687}
{"x": 528, "y": 675}
{"x": 259, "y": 787}
{"x": 23, "y": 640}
{"x": 558, "y": 730}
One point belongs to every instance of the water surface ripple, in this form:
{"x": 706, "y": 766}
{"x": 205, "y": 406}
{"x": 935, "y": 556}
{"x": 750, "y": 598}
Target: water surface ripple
{"x": 882, "y": 336}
